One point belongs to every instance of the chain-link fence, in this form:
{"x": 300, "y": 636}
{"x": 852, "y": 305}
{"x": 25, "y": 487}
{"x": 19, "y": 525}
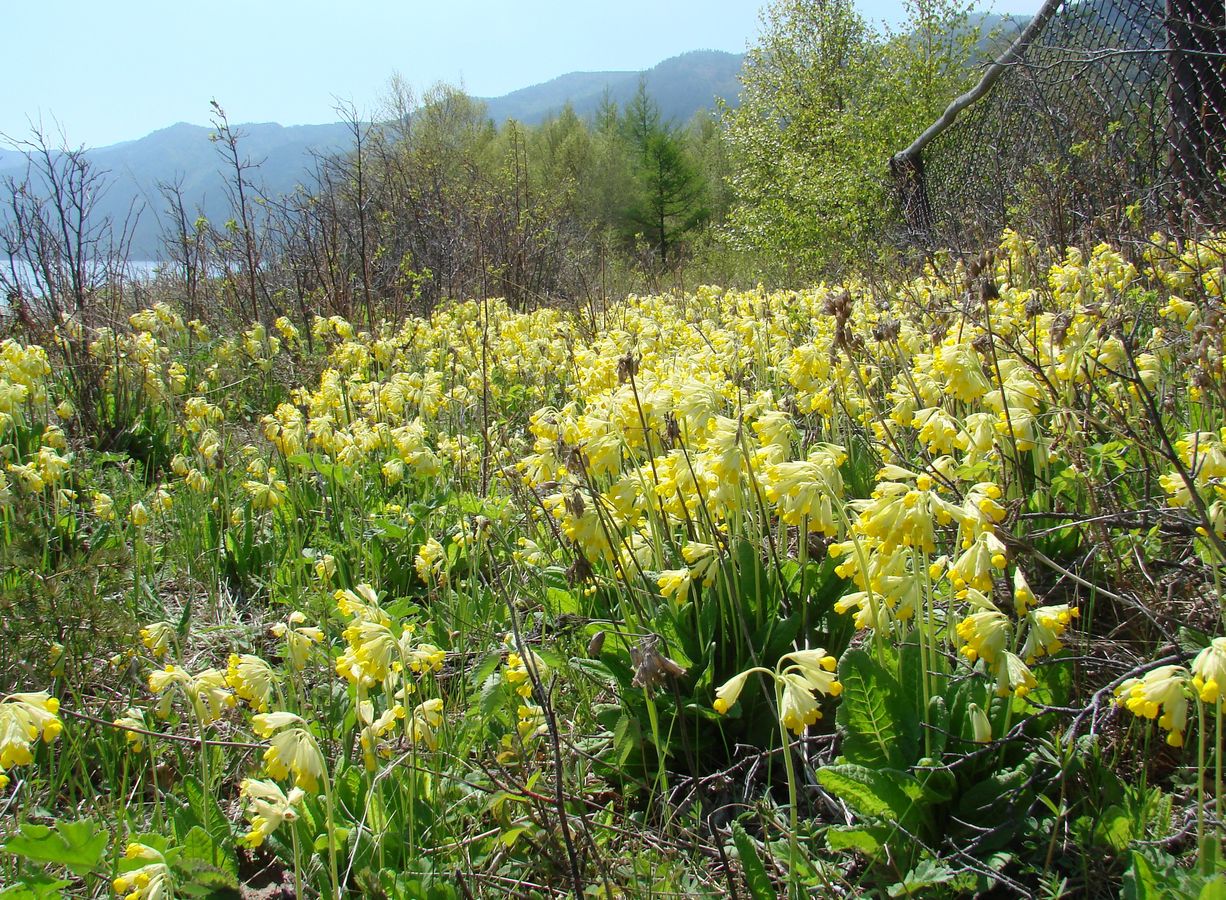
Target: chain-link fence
{"x": 1108, "y": 115}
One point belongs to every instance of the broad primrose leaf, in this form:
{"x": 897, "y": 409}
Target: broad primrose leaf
{"x": 866, "y": 839}
{"x": 927, "y": 873}
{"x": 37, "y": 886}
{"x": 80, "y": 846}
{"x": 878, "y": 730}
{"x": 872, "y": 793}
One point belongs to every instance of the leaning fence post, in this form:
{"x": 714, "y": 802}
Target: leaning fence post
{"x": 907, "y": 165}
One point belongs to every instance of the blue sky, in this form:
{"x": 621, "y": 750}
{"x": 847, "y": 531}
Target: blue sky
{"x": 114, "y": 71}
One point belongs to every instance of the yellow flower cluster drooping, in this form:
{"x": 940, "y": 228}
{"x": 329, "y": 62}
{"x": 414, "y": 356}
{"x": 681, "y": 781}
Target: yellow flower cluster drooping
{"x": 24, "y": 720}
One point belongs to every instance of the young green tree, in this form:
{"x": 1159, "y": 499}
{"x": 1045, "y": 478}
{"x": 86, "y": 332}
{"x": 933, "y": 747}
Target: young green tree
{"x": 670, "y": 201}
{"x": 826, "y": 100}
{"x": 668, "y": 197}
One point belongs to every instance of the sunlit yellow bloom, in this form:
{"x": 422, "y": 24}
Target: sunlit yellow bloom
{"x": 374, "y": 729}
{"x": 729, "y": 692}
{"x": 531, "y": 721}
{"x": 24, "y": 718}
{"x": 981, "y": 728}
{"x": 675, "y": 583}
{"x": 984, "y": 635}
{"x": 799, "y": 709}
{"x": 298, "y": 638}
{"x": 138, "y": 515}
{"x": 267, "y": 808}
{"x": 1047, "y": 626}
{"x": 1013, "y": 676}
{"x": 133, "y": 718}
{"x": 158, "y": 638}
{"x": 152, "y": 881}
{"x": 295, "y": 751}
{"x": 517, "y": 674}
{"x": 429, "y": 562}
{"x": 267, "y": 494}
{"x": 252, "y": 679}
{"x": 362, "y": 602}
{"x": 1161, "y": 694}
{"x": 1209, "y": 671}
{"x": 1023, "y": 597}
{"x": 424, "y": 722}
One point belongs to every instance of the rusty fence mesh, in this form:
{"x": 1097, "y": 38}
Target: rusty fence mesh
{"x": 1111, "y": 119}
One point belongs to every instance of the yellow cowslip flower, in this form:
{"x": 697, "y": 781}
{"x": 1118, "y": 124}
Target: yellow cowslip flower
{"x": 817, "y": 666}
{"x": 1047, "y": 626}
{"x": 287, "y": 328}
{"x": 981, "y": 727}
{"x": 158, "y": 638}
{"x": 1209, "y": 671}
{"x": 1023, "y": 596}
{"x": 939, "y": 431}
{"x": 1013, "y": 676}
{"x": 53, "y": 436}
{"x": 298, "y": 638}
{"x": 197, "y": 481}
{"x": 138, "y": 515}
{"x": 1162, "y": 694}
{"x": 161, "y": 682}
{"x": 984, "y": 635}
{"x": 729, "y": 692}
{"x": 152, "y": 881}
{"x": 362, "y": 603}
{"x": 393, "y": 471}
{"x": 374, "y": 729}
{"x": 56, "y": 659}
{"x": 962, "y": 369}
{"x": 981, "y": 509}
{"x": 531, "y": 721}
{"x": 675, "y": 583}
{"x": 423, "y": 724}
{"x": 799, "y": 674}
{"x": 325, "y": 567}
{"x": 132, "y": 718}
{"x": 976, "y": 566}
{"x": 65, "y": 410}
{"x": 807, "y": 490}
{"x": 24, "y": 718}
{"x": 872, "y": 610}
{"x": 516, "y": 672}
{"x": 28, "y": 476}
{"x": 164, "y": 499}
{"x": 703, "y": 560}
{"x": 430, "y": 561}
{"x": 252, "y": 679}
{"x": 375, "y": 648}
{"x": 52, "y": 466}
{"x": 267, "y": 808}
{"x": 267, "y": 494}
{"x": 799, "y": 709}
{"x": 424, "y": 658}
{"x": 206, "y": 691}
{"x": 295, "y": 751}
{"x": 267, "y": 724}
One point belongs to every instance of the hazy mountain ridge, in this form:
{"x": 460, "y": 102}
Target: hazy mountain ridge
{"x": 183, "y": 152}
{"x": 681, "y": 85}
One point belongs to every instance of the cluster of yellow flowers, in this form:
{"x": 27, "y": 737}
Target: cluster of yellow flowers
{"x": 24, "y": 718}
{"x": 641, "y": 450}
{"x": 1163, "y": 693}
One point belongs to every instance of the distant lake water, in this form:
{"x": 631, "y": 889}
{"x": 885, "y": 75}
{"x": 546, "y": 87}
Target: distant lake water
{"x": 136, "y": 270}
